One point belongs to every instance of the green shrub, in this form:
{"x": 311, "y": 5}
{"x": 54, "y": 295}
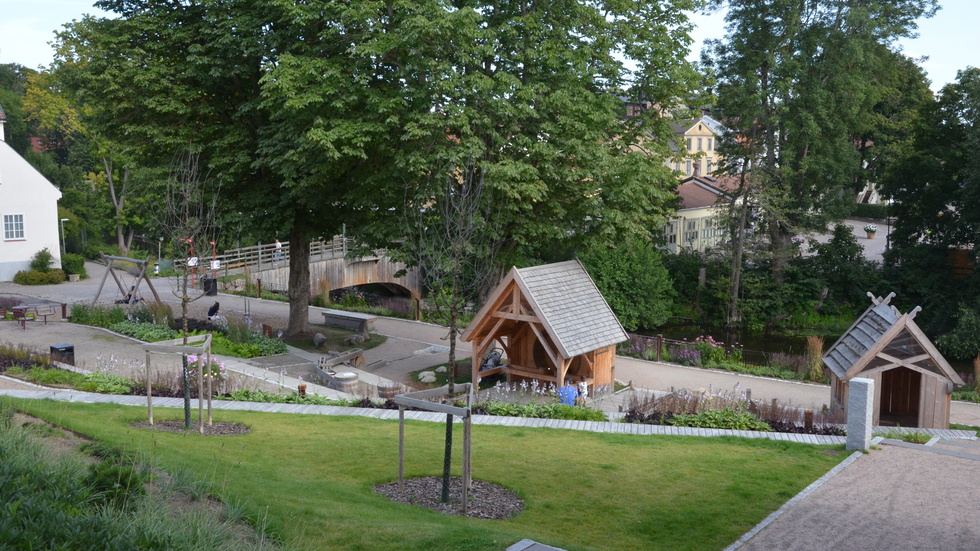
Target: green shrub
{"x": 720, "y": 419}
{"x": 105, "y": 383}
{"x": 148, "y": 332}
{"x": 258, "y": 345}
{"x": 35, "y": 277}
{"x": 543, "y": 411}
{"x": 53, "y": 376}
{"x": 94, "y": 248}
{"x": 41, "y": 261}
{"x": 100, "y": 316}
{"x": 114, "y": 483}
{"x": 74, "y": 264}
{"x": 7, "y": 411}
{"x": 864, "y": 210}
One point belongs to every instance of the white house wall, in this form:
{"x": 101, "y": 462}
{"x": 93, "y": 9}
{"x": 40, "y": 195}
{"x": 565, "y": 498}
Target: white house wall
{"x": 25, "y": 191}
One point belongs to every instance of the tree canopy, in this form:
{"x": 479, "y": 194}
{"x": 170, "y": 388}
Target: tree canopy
{"x": 316, "y": 115}
{"x": 797, "y": 84}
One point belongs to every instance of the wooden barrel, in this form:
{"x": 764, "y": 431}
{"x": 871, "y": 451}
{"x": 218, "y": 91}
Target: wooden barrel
{"x": 346, "y": 381}
{"x": 389, "y": 389}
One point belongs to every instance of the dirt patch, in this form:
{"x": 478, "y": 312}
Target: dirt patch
{"x": 173, "y": 425}
{"x": 486, "y": 500}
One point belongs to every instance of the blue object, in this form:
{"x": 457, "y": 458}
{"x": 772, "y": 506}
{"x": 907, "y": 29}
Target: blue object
{"x": 567, "y": 395}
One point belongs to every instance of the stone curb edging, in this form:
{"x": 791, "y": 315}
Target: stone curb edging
{"x": 488, "y": 420}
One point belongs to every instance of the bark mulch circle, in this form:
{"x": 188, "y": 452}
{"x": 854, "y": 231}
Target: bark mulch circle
{"x": 173, "y": 425}
{"x": 486, "y": 500}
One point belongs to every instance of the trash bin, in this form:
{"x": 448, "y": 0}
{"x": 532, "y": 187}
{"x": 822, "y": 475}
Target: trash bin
{"x": 64, "y": 353}
{"x": 210, "y": 286}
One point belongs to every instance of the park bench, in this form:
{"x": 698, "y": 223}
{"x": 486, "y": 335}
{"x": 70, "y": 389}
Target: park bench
{"x": 354, "y": 321}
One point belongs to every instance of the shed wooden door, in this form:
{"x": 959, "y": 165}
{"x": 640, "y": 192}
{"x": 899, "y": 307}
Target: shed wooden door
{"x": 900, "y": 397}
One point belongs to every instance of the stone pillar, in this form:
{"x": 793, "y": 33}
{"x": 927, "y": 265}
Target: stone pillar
{"x": 860, "y": 413}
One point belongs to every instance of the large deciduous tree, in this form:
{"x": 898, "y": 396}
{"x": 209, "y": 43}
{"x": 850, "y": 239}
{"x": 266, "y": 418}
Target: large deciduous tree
{"x": 320, "y": 114}
{"x": 936, "y": 183}
{"x": 797, "y": 83}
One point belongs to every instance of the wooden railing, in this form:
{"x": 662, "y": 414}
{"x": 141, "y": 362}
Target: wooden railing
{"x": 265, "y": 256}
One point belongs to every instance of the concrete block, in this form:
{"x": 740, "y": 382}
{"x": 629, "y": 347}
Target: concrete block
{"x": 860, "y": 413}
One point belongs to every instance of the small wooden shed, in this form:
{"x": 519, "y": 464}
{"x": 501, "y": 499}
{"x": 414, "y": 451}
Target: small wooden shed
{"x": 913, "y": 382}
{"x": 551, "y": 323}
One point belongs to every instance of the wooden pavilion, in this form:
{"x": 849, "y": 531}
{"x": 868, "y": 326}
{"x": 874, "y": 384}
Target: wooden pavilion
{"x": 551, "y": 324}
{"x": 913, "y": 382}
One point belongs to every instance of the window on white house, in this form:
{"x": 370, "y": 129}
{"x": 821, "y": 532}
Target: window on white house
{"x": 689, "y": 166}
{"x": 709, "y": 144}
{"x": 689, "y": 144}
{"x": 13, "y": 226}
{"x": 700, "y": 143}
{"x": 707, "y": 168}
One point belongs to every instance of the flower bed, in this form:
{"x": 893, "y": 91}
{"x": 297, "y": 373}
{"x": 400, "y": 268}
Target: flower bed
{"x": 727, "y": 410}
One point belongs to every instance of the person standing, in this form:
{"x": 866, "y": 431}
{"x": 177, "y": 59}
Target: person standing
{"x": 277, "y": 256}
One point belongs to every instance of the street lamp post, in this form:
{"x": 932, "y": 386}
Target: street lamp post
{"x": 63, "y": 248}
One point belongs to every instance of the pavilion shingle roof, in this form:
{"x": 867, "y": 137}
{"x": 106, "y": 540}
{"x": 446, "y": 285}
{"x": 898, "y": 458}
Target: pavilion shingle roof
{"x": 866, "y": 331}
{"x": 881, "y": 337}
{"x": 571, "y": 307}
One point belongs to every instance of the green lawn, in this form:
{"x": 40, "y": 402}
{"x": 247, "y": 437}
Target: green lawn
{"x": 314, "y": 474}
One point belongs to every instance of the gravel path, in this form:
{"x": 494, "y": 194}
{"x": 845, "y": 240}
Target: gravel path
{"x": 892, "y": 498}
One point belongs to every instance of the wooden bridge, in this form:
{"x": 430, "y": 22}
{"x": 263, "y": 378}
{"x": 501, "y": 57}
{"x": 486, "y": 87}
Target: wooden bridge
{"x": 330, "y": 267}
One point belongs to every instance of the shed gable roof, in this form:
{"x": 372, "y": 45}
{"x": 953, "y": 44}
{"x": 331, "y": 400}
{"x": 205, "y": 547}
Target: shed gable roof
{"x": 882, "y": 338}
{"x": 566, "y": 301}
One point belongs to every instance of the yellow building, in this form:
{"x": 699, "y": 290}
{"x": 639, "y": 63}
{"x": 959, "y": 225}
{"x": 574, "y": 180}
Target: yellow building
{"x": 696, "y": 146}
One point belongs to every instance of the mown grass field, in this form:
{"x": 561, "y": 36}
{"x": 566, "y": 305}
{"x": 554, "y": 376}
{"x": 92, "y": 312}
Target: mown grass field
{"x": 314, "y": 475}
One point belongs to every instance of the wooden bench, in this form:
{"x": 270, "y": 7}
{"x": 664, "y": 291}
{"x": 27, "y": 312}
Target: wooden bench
{"x": 354, "y": 321}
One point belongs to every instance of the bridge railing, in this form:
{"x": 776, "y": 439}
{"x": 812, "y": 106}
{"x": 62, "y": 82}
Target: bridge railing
{"x": 265, "y": 256}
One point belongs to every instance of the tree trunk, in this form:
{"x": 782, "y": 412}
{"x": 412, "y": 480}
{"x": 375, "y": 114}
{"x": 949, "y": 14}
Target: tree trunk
{"x": 780, "y": 245}
{"x": 299, "y": 282}
{"x": 738, "y": 249}
{"x": 121, "y": 236}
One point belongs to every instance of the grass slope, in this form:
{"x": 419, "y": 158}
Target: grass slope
{"x": 314, "y": 474}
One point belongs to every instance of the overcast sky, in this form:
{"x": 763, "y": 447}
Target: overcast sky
{"x": 950, "y": 39}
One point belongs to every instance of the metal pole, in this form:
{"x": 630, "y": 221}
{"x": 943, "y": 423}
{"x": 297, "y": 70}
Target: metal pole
{"x": 401, "y": 450}
{"x": 149, "y": 393}
{"x": 64, "y": 248}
